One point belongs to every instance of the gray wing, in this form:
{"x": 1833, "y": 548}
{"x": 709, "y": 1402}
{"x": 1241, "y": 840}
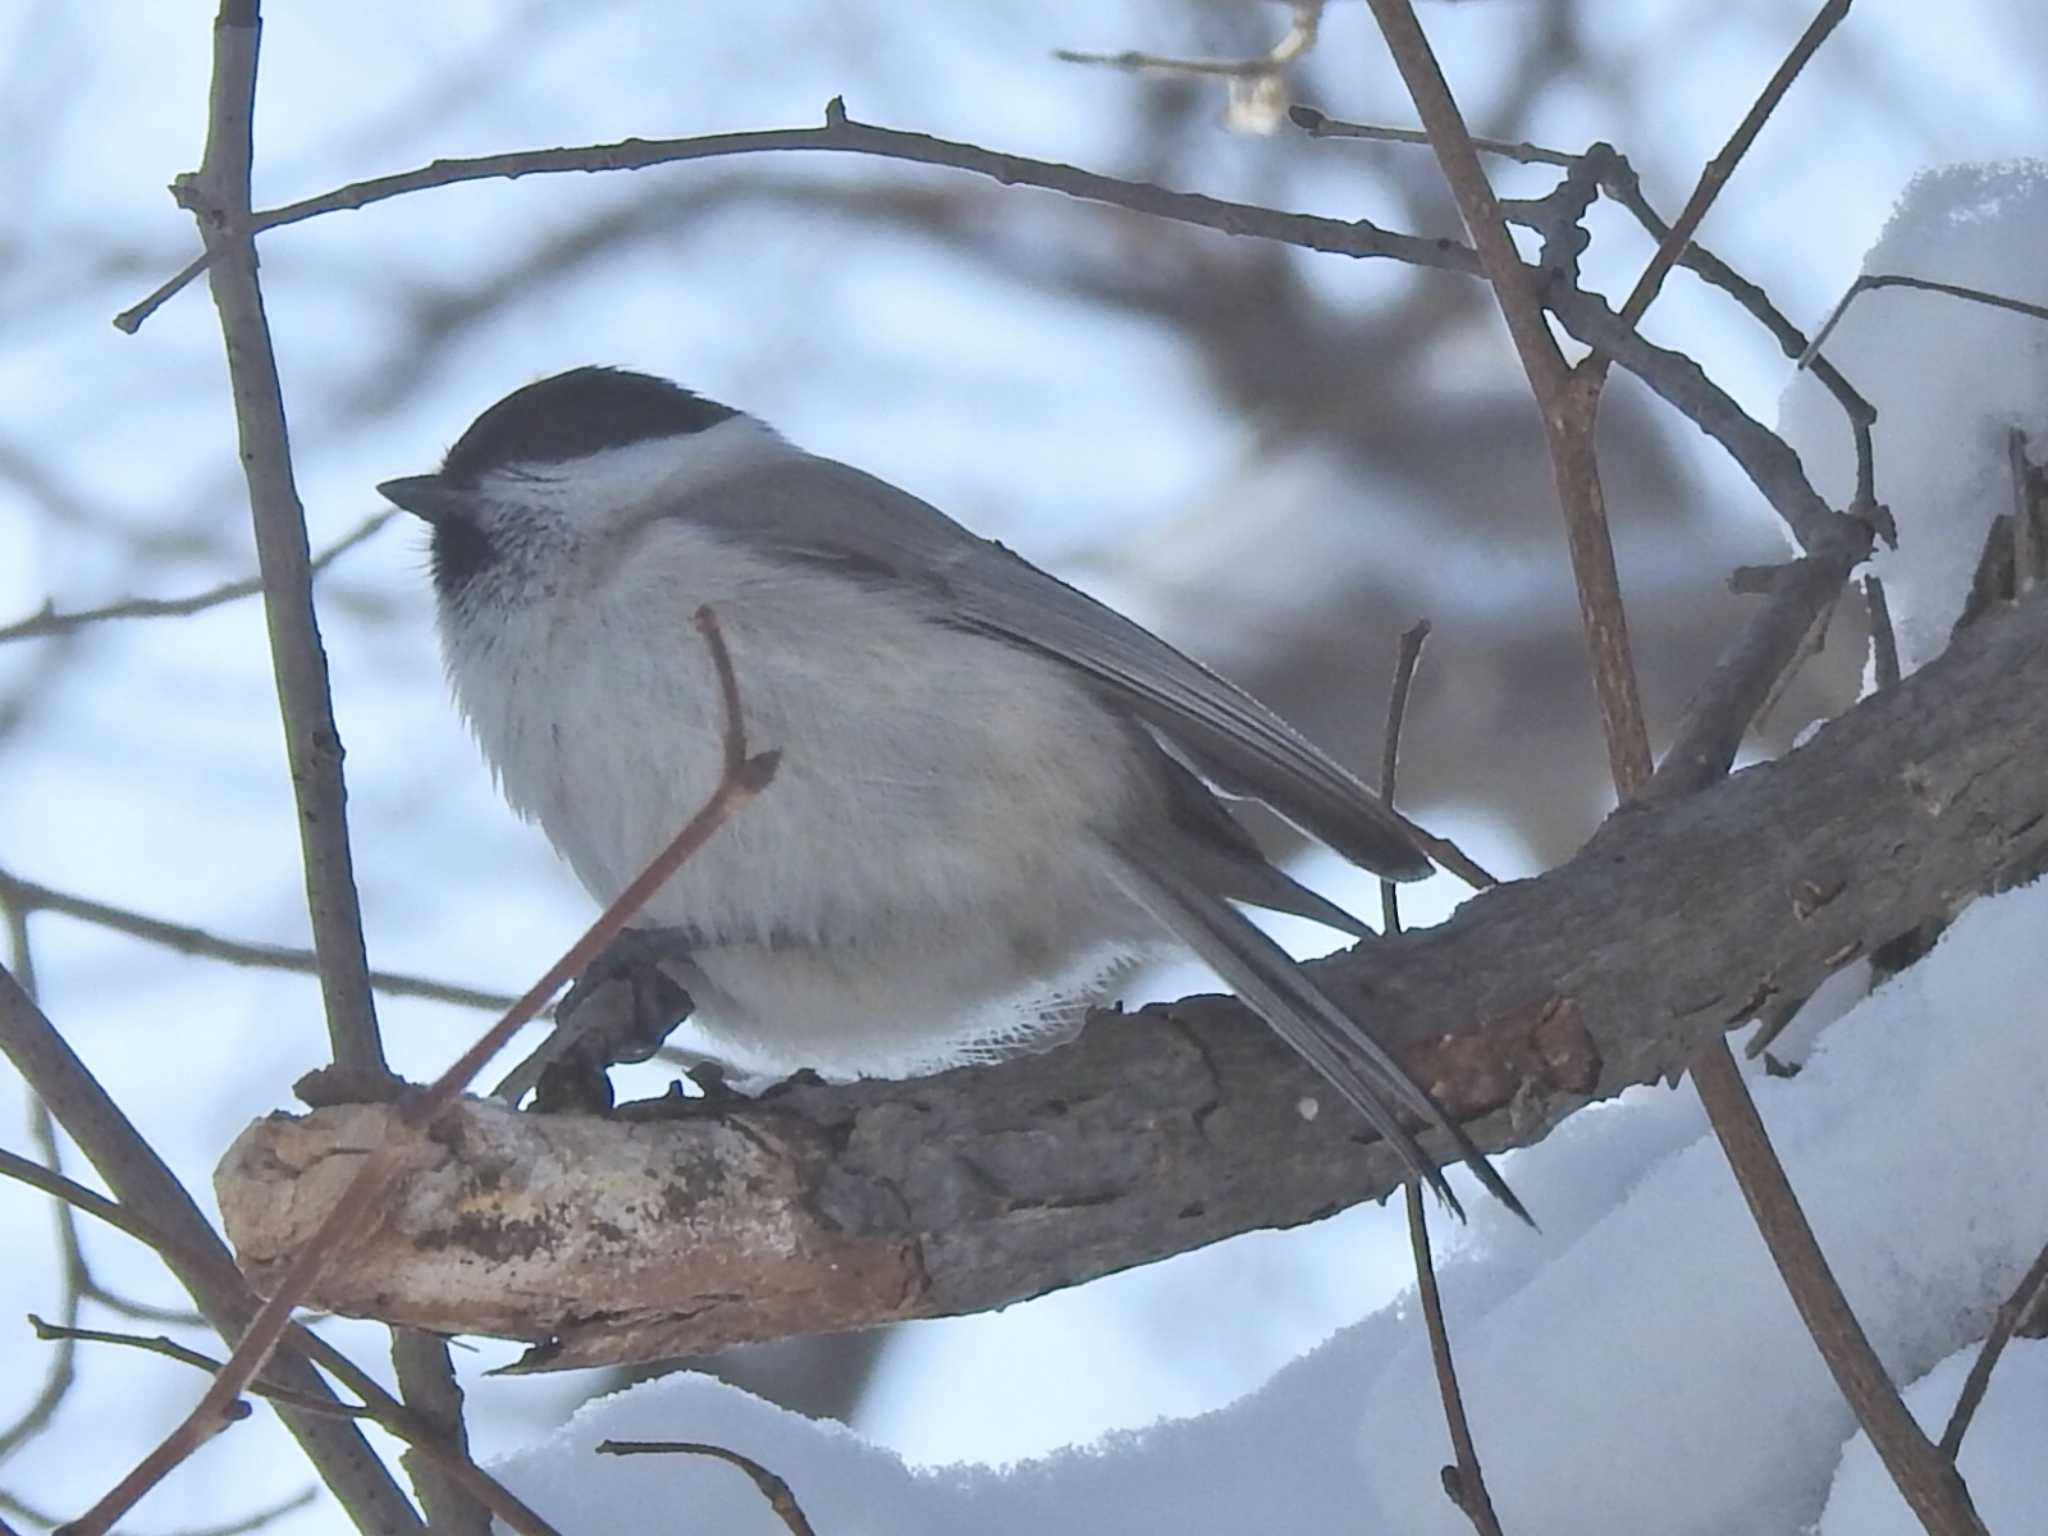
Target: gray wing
{"x": 874, "y": 529}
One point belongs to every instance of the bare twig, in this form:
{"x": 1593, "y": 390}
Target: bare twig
{"x": 1929, "y": 1485}
{"x": 58, "y": 1379}
{"x": 185, "y": 940}
{"x": 1672, "y": 375}
{"x": 1567, "y": 410}
{"x": 1618, "y": 180}
{"x": 171, "y": 1349}
{"x": 1465, "y": 1483}
{"x": 1675, "y": 245}
{"x": 1769, "y": 462}
{"x": 841, "y": 134}
{"x": 141, "y": 1181}
{"x": 62, "y": 1373}
{"x": 1320, "y": 125}
{"x": 773, "y": 1488}
{"x": 1707, "y": 739}
{"x": 1716, "y": 172}
{"x": 744, "y": 778}
{"x": 206, "y": 1262}
{"x": 1570, "y": 404}
{"x": 1300, "y": 38}
{"x": 433, "y": 1398}
{"x": 1258, "y": 85}
{"x": 254, "y": 1521}
{"x": 78, "y": 1197}
{"x": 1405, "y": 661}
{"x": 2007, "y": 1318}
{"x": 1869, "y": 282}
{"x": 1927, "y": 1479}
{"x": 49, "y": 621}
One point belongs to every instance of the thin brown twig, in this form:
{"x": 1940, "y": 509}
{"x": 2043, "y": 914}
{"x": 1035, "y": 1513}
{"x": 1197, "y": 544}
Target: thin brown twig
{"x": 1406, "y": 659}
{"x": 1714, "y": 175}
{"x": 1869, "y": 282}
{"x": 1570, "y": 405}
{"x": 841, "y": 134}
{"x": 58, "y": 1186}
{"x": 217, "y": 197}
{"x": 186, "y": 940}
{"x": 1465, "y": 1483}
{"x": 1927, "y": 1479}
{"x": 2003, "y": 1323}
{"x": 1673, "y": 376}
{"x": 41, "y": 1412}
{"x": 773, "y": 1488}
{"x": 1765, "y": 458}
{"x": 180, "y": 1236}
{"x": 1929, "y": 1486}
{"x": 745, "y": 777}
{"x": 1706, "y": 741}
{"x": 1318, "y": 124}
{"x": 1567, "y": 411}
{"x": 1300, "y": 38}
{"x": 1615, "y": 177}
{"x": 1677, "y": 241}
{"x": 47, "y": 620}
{"x": 171, "y": 1349}
{"x": 62, "y": 1374}
{"x": 1740, "y": 688}
{"x": 425, "y": 1373}
{"x": 242, "y": 1526}
{"x": 212, "y": 1262}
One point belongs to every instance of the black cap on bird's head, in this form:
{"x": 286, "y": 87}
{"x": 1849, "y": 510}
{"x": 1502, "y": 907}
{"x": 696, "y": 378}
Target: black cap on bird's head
{"x": 555, "y": 420}
{"x": 552, "y": 421}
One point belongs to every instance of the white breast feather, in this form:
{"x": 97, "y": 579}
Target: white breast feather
{"x": 925, "y": 854}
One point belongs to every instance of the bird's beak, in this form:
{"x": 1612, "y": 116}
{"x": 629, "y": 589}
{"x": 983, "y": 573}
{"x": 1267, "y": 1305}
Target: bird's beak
{"x": 425, "y": 496}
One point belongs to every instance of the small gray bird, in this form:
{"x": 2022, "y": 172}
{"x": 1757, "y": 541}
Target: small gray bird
{"x": 993, "y": 788}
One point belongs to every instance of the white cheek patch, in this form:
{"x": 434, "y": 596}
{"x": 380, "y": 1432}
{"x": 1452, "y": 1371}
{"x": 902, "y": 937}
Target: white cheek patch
{"x": 629, "y": 475}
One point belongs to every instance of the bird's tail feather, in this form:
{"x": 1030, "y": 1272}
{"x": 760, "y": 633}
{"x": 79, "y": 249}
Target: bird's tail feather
{"x": 1282, "y": 993}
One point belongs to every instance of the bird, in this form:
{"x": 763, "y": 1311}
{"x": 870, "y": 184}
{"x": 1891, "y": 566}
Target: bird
{"x": 994, "y": 790}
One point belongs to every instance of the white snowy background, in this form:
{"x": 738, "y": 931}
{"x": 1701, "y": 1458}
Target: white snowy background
{"x": 1633, "y": 1368}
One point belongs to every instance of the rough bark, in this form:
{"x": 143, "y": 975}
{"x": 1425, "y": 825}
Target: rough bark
{"x": 822, "y": 1207}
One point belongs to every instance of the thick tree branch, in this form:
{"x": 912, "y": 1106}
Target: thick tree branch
{"x": 818, "y": 1208}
